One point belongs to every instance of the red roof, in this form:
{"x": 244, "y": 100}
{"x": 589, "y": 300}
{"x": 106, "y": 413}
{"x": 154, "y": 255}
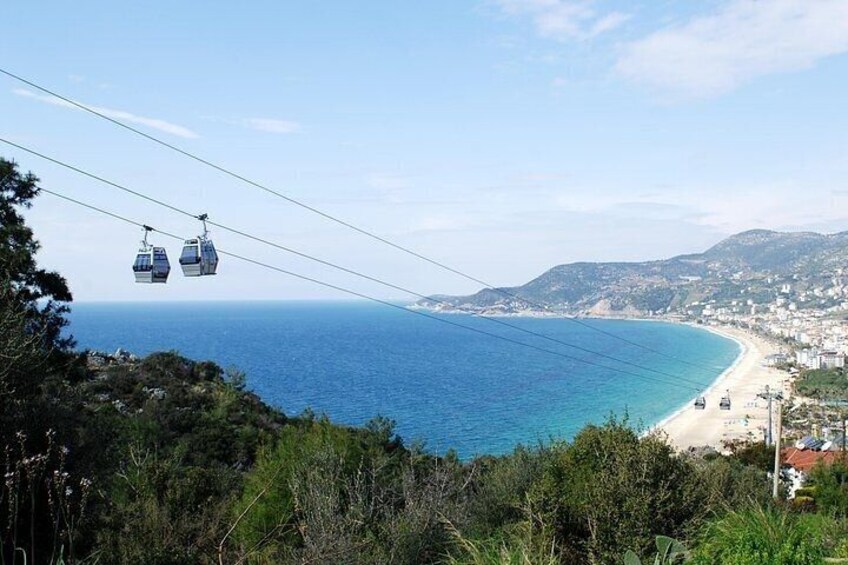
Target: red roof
{"x": 804, "y": 460}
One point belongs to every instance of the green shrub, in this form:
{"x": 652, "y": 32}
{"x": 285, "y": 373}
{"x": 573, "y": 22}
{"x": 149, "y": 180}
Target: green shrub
{"x": 501, "y": 488}
{"x": 831, "y": 488}
{"x": 669, "y": 552}
{"x": 610, "y": 491}
{"x": 841, "y": 549}
{"x": 805, "y": 492}
{"x": 761, "y": 536}
{"x": 523, "y": 545}
{"x": 804, "y": 504}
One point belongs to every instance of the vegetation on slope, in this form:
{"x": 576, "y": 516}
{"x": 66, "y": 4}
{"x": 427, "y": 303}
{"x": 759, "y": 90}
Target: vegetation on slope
{"x": 823, "y": 384}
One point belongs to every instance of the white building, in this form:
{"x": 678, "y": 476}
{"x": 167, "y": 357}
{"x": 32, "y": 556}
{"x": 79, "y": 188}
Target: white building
{"x": 808, "y": 358}
{"x": 831, "y": 360}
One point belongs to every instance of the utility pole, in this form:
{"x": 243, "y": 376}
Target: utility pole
{"x": 775, "y": 488}
{"x": 770, "y": 396}
{"x": 842, "y": 414}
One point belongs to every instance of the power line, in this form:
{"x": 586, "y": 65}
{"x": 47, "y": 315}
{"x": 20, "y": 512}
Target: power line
{"x": 359, "y": 274}
{"x": 373, "y": 299}
{"x": 342, "y": 222}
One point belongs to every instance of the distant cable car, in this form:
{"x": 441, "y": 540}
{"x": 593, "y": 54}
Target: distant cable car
{"x": 151, "y": 263}
{"x": 700, "y": 403}
{"x": 725, "y": 402}
{"x": 199, "y": 257}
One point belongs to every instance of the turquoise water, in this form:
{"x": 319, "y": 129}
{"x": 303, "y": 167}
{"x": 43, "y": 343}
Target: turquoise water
{"x": 444, "y": 385}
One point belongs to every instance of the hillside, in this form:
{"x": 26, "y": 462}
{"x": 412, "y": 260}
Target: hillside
{"x": 748, "y": 268}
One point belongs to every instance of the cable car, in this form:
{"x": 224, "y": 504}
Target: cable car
{"x": 700, "y": 403}
{"x": 199, "y": 257}
{"x": 151, "y": 263}
{"x": 725, "y": 402}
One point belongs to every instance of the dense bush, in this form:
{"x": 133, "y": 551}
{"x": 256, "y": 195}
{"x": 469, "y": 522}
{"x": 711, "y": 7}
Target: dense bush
{"x": 610, "y": 491}
{"x": 332, "y": 494}
{"x": 825, "y": 384}
{"x": 762, "y": 536}
{"x": 830, "y": 488}
{"x": 502, "y": 485}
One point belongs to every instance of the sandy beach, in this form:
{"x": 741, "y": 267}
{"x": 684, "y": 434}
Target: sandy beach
{"x": 748, "y": 415}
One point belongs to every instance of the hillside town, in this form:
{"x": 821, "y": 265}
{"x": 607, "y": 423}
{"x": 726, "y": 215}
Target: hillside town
{"x": 809, "y": 318}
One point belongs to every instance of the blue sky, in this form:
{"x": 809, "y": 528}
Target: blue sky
{"x": 499, "y": 136}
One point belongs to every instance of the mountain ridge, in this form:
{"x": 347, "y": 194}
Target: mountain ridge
{"x": 751, "y": 266}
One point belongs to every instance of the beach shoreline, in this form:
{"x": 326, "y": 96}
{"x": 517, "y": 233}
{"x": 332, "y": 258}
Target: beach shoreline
{"x": 743, "y": 351}
{"x": 747, "y": 418}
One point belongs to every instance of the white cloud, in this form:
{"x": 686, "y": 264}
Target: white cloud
{"x": 153, "y": 123}
{"x": 735, "y": 208}
{"x": 608, "y": 23}
{"x": 564, "y": 19}
{"x": 729, "y": 208}
{"x": 272, "y": 125}
{"x": 743, "y": 40}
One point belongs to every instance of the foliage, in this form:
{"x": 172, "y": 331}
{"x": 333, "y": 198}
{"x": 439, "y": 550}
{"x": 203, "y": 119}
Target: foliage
{"x": 501, "y": 487}
{"x": 761, "y": 536}
{"x": 169, "y": 401}
{"x": 527, "y": 544}
{"x": 830, "y": 491}
{"x": 42, "y": 504}
{"x": 42, "y": 293}
{"x": 41, "y": 501}
{"x": 165, "y": 511}
{"x": 822, "y": 383}
{"x": 669, "y": 552}
{"x": 332, "y": 494}
{"x": 724, "y": 483}
{"x": 267, "y": 501}
{"x": 756, "y": 454}
{"x": 611, "y": 491}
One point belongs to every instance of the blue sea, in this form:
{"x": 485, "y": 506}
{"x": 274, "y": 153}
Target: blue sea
{"x": 443, "y": 385}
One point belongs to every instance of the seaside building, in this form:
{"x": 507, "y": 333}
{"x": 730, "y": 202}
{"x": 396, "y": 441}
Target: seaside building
{"x": 776, "y": 359}
{"x": 831, "y": 360}
{"x": 808, "y": 358}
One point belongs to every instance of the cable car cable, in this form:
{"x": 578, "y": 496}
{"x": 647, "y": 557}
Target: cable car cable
{"x": 377, "y": 300}
{"x": 336, "y": 266}
{"x": 342, "y": 222}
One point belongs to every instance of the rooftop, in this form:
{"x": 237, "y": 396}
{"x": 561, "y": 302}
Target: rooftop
{"x": 805, "y": 460}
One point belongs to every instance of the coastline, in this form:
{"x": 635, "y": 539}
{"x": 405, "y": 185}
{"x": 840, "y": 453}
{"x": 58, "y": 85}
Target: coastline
{"x": 685, "y": 427}
{"x": 748, "y": 415}
{"x": 743, "y": 351}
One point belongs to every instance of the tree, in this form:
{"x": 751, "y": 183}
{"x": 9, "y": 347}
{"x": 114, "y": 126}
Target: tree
{"x": 33, "y": 302}
{"x": 33, "y": 351}
{"x": 42, "y": 294}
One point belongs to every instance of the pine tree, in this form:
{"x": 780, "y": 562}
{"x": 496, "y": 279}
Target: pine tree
{"x": 42, "y": 294}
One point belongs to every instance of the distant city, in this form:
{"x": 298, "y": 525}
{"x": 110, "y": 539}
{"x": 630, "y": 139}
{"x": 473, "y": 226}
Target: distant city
{"x": 811, "y": 318}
